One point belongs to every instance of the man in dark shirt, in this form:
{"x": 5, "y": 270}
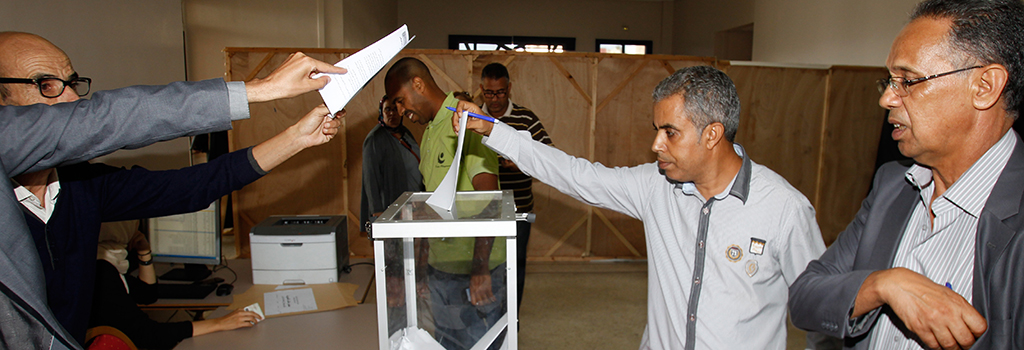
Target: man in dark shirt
{"x": 494, "y": 81}
{"x": 65, "y": 231}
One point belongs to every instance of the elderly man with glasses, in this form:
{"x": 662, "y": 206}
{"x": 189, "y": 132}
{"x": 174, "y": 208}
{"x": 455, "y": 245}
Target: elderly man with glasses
{"x": 63, "y": 207}
{"x": 933, "y": 257}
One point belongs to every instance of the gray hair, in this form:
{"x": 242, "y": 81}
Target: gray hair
{"x": 989, "y": 31}
{"x": 709, "y": 96}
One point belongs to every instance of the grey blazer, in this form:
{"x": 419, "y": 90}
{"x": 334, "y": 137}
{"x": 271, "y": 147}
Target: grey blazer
{"x": 38, "y": 137}
{"x": 822, "y": 297}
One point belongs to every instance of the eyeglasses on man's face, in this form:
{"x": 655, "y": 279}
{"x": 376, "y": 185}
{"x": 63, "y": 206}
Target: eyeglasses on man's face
{"x": 51, "y": 87}
{"x": 492, "y": 93}
{"x": 901, "y": 86}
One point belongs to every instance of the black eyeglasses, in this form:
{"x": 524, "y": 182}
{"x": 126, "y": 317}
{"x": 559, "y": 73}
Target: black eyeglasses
{"x": 51, "y": 87}
{"x": 901, "y": 85}
{"x": 491, "y": 93}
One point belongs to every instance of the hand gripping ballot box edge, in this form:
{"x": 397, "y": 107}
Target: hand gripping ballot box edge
{"x": 475, "y": 214}
{"x": 304, "y": 249}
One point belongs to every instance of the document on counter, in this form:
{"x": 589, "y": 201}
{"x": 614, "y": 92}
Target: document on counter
{"x": 443, "y": 198}
{"x": 362, "y": 66}
{"x": 289, "y": 300}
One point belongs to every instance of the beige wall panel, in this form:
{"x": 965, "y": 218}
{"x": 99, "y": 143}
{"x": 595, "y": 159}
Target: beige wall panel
{"x": 780, "y": 124}
{"x": 850, "y": 145}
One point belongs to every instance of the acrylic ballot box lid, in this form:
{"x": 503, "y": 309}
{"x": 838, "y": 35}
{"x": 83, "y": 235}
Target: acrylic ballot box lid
{"x": 476, "y": 214}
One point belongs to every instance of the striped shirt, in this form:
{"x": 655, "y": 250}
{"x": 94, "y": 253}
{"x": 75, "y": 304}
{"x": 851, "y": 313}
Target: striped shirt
{"x": 943, "y": 250}
{"x": 520, "y": 118}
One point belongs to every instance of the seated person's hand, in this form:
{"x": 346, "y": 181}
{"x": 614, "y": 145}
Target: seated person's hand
{"x": 235, "y": 320}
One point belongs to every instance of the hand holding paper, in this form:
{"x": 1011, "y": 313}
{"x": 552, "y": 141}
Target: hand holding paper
{"x": 362, "y": 66}
{"x": 298, "y": 74}
{"x": 480, "y": 126}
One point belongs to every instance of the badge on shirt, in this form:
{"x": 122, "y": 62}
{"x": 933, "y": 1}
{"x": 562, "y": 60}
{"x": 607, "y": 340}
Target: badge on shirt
{"x": 757, "y": 246}
{"x": 734, "y": 253}
{"x": 751, "y": 267}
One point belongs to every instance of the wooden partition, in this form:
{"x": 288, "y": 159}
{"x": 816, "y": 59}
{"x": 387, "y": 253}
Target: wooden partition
{"x": 817, "y": 127}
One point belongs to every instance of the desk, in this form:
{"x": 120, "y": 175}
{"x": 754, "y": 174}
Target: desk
{"x": 361, "y": 275}
{"x": 349, "y": 328}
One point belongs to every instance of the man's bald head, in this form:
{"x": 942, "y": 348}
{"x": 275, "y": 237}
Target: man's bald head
{"x": 413, "y": 90}
{"x": 29, "y": 56}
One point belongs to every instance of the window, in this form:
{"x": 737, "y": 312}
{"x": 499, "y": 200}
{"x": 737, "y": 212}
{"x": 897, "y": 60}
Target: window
{"x": 511, "y": 43}
{"x": 629, "y": 47}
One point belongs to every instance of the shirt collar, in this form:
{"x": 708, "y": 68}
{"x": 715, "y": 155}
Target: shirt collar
{"x": 972, "y": 189}
{"x": 738, "y": 187}
{"x": 508, "y": 110}
{"x": 444, "y": 116}
{"x": 52, "y": 189}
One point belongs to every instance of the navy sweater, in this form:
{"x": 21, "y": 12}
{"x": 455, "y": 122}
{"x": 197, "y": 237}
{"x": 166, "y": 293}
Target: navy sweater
{"x": 94, "y": 193}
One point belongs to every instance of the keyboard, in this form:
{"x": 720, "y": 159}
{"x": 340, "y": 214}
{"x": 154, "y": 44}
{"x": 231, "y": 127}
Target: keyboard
{"x": 184, "y": 291}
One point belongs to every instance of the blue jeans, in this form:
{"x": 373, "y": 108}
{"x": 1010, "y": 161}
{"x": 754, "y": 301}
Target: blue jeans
{"x": 461, "y": 324}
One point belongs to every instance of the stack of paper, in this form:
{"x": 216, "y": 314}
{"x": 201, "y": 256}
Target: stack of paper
{"x": 362, "y": 66}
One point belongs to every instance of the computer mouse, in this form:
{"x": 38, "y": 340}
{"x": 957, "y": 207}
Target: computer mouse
{"x": 224, "y": 289}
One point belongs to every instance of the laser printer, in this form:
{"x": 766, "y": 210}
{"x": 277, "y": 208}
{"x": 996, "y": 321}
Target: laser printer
{"x": 306, "y": 249}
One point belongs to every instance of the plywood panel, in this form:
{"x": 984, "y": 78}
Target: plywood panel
{"x": 781, "y": 120}
{"x": 850, "y": 144}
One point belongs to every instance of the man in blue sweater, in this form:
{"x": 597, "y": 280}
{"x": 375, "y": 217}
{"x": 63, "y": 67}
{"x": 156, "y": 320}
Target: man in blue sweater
{"x": 65, "y": 231}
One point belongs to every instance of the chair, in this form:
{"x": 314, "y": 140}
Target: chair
{"x": 107, "y": 338}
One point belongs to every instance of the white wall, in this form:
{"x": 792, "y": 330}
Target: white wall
{"x": 697, "y": 21}
{"x": 586, "y": 20}
{"x": 827, "y": 32}
{"x": 117, "y": 43}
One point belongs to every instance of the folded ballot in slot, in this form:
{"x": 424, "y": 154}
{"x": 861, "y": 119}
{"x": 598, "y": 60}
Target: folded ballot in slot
{"x": 299, "y": 249}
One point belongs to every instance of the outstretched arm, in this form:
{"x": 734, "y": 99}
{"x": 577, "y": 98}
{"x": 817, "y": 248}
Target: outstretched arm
{"x": 315, "y": 128}
{"x": 294, "y": 77}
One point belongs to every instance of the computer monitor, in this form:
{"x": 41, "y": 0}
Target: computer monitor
{"x": 191, "y": 238}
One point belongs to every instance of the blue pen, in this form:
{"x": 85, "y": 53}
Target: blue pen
{"x": 949, "y": 285}
{"x": 474, "y": 115}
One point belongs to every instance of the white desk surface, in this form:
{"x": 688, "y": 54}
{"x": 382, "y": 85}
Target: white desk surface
{"x": 349, "y": 328}
{"x": 361, "y": 275}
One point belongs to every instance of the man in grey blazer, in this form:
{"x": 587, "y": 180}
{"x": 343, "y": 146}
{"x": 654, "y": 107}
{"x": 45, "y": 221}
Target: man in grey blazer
{"x": 39, "y": 136}
{"x": 932, "y": 258}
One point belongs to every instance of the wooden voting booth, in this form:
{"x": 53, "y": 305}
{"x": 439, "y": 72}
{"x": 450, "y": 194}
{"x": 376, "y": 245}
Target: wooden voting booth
{"x": 817, "y": 127}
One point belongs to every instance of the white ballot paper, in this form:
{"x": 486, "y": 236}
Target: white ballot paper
{"x": 413, "y": 338}
{"x": 362, "y": 66}
{"x": 443, "y": 198}
{"x": 255, "y": 307}
{"x": 289, "y": 300}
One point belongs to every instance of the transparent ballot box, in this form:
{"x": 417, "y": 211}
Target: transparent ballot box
{"x": 447, "y": 280}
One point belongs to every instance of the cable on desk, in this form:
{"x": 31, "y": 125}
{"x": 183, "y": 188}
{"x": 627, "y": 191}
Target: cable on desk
{"x": 348, "y": 268}
{"x": 225, "y": 266}
{"x": 169, "y": 318}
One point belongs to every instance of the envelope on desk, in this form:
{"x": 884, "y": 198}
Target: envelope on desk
{"x": 303, "y": 299}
